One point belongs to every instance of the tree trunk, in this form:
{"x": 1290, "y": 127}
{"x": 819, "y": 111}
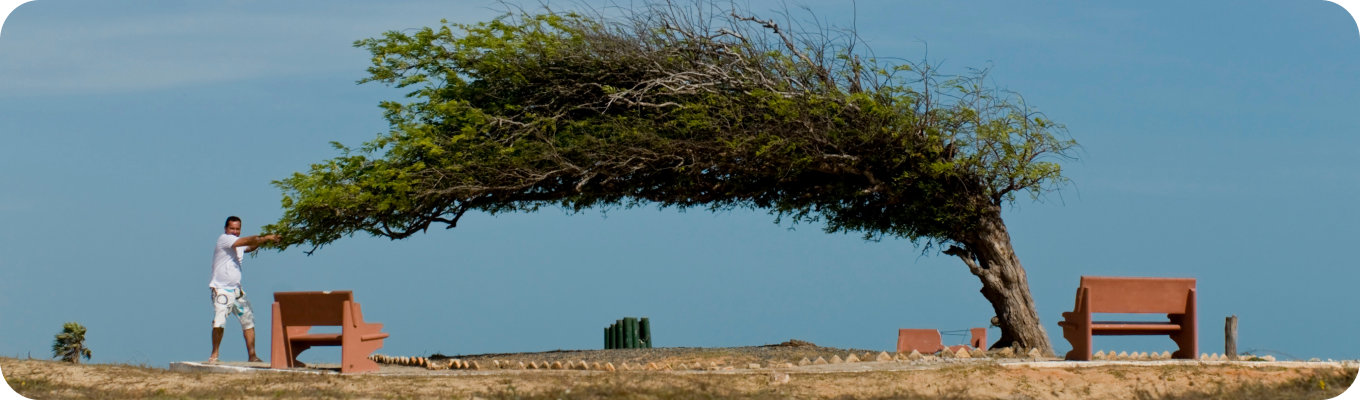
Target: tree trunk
{"x": 989, "y": 255}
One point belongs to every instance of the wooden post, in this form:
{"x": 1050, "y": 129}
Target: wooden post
{"x": 1230, "y": 341}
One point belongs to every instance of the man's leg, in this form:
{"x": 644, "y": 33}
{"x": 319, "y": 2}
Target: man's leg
{"x": 219, "y": 322}
{"x": 250, "y": 345}
{"x": 217, "y": 341}
{"x": 246, "y": 314}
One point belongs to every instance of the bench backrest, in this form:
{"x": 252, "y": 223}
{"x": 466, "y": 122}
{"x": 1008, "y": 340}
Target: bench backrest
{"x": 1137, "y": 295}
{"x": 313, "y": 308}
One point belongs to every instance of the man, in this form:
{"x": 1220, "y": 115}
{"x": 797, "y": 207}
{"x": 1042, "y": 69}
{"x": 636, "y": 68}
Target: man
{"x": 228, "y": 298}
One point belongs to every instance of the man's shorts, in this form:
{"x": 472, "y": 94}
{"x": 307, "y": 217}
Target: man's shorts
{"x": 232, "y": 301}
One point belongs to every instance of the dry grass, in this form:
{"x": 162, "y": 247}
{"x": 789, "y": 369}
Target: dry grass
{"x": 55, "y": 380}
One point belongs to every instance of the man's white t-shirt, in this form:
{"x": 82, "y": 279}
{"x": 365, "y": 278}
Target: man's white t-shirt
{"x": 226, "y": 267}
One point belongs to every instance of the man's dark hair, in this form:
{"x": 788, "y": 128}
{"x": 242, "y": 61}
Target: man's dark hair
{"x": 229, "y": 219}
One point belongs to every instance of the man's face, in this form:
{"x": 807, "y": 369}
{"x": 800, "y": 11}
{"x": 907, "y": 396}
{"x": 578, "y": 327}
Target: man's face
{"x": 234, "y": 228}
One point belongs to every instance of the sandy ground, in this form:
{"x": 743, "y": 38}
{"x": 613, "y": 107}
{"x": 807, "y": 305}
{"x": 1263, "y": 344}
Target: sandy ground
{"x": 980, "y": 379}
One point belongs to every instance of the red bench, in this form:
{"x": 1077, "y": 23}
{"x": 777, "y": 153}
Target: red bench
{"x": 925, "y": 341}
{"x": 1174, "y": 297}
{"x": 979, "y": 338}
{"x": 928, "y": 341}
{"x": 295, "y": 313}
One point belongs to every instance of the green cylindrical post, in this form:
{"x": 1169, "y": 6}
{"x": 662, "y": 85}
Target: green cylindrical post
{"x": 645, "y": 332}
{"x": 614, "y": 336}
{"x": 637, "y": 337}
{"x": 630, "y": 332}
{"x": 618, "y": 335}
{"x": 637, "y": 334}
{"x": 608, "y": 341}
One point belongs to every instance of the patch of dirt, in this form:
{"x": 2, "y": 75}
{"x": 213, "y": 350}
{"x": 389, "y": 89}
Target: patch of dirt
{"x": 792, "y": 343}
{"x": 48, "y": 379}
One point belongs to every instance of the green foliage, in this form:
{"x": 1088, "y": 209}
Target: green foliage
{"x": 69, "y": 345}
{"x": 669, "y": 106}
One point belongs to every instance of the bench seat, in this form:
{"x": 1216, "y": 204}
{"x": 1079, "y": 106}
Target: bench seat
{"x": 318, "y": 339}
{"x": 332, "y": 339}
{"x": 1113, "y": 328}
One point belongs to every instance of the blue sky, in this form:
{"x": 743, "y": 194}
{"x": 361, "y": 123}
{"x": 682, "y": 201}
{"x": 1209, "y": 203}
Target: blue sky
{"x": 1220, "y": 143}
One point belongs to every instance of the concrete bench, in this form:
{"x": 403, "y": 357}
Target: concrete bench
{"x": 978, "y": 337}
{"x": 925, "y": 341}
{"x": 928, "y": 341}
{"x": 295, "y": 313}
{"x": 1174, "y": 297}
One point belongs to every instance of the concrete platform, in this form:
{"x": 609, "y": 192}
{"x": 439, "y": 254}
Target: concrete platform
{"x": 240, "y": 368}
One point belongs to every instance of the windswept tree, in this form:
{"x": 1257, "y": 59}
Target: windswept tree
{"x": 69, "y": 345}
{"x": 688, "y": 106}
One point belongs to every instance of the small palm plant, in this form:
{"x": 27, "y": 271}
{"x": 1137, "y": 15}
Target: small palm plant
{"x": 70, "y": 343}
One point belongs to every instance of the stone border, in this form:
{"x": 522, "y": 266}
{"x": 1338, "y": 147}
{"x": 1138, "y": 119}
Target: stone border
{"x": 1085, "y": 364}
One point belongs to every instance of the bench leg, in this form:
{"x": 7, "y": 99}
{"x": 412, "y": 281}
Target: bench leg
{"x": 296, "y": 349}
{"x": 354, "y": 351}
{"x": 1186, "y": 340}
{"x": 1080, "y": 339}
{"x": 355, "y": 356}
{"x": 1076, "y": 328}
{"x": 278, "y": 348}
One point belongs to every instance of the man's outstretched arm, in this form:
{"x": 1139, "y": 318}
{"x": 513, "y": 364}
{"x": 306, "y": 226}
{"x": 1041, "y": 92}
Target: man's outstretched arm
{"x": 254, "y": 241}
